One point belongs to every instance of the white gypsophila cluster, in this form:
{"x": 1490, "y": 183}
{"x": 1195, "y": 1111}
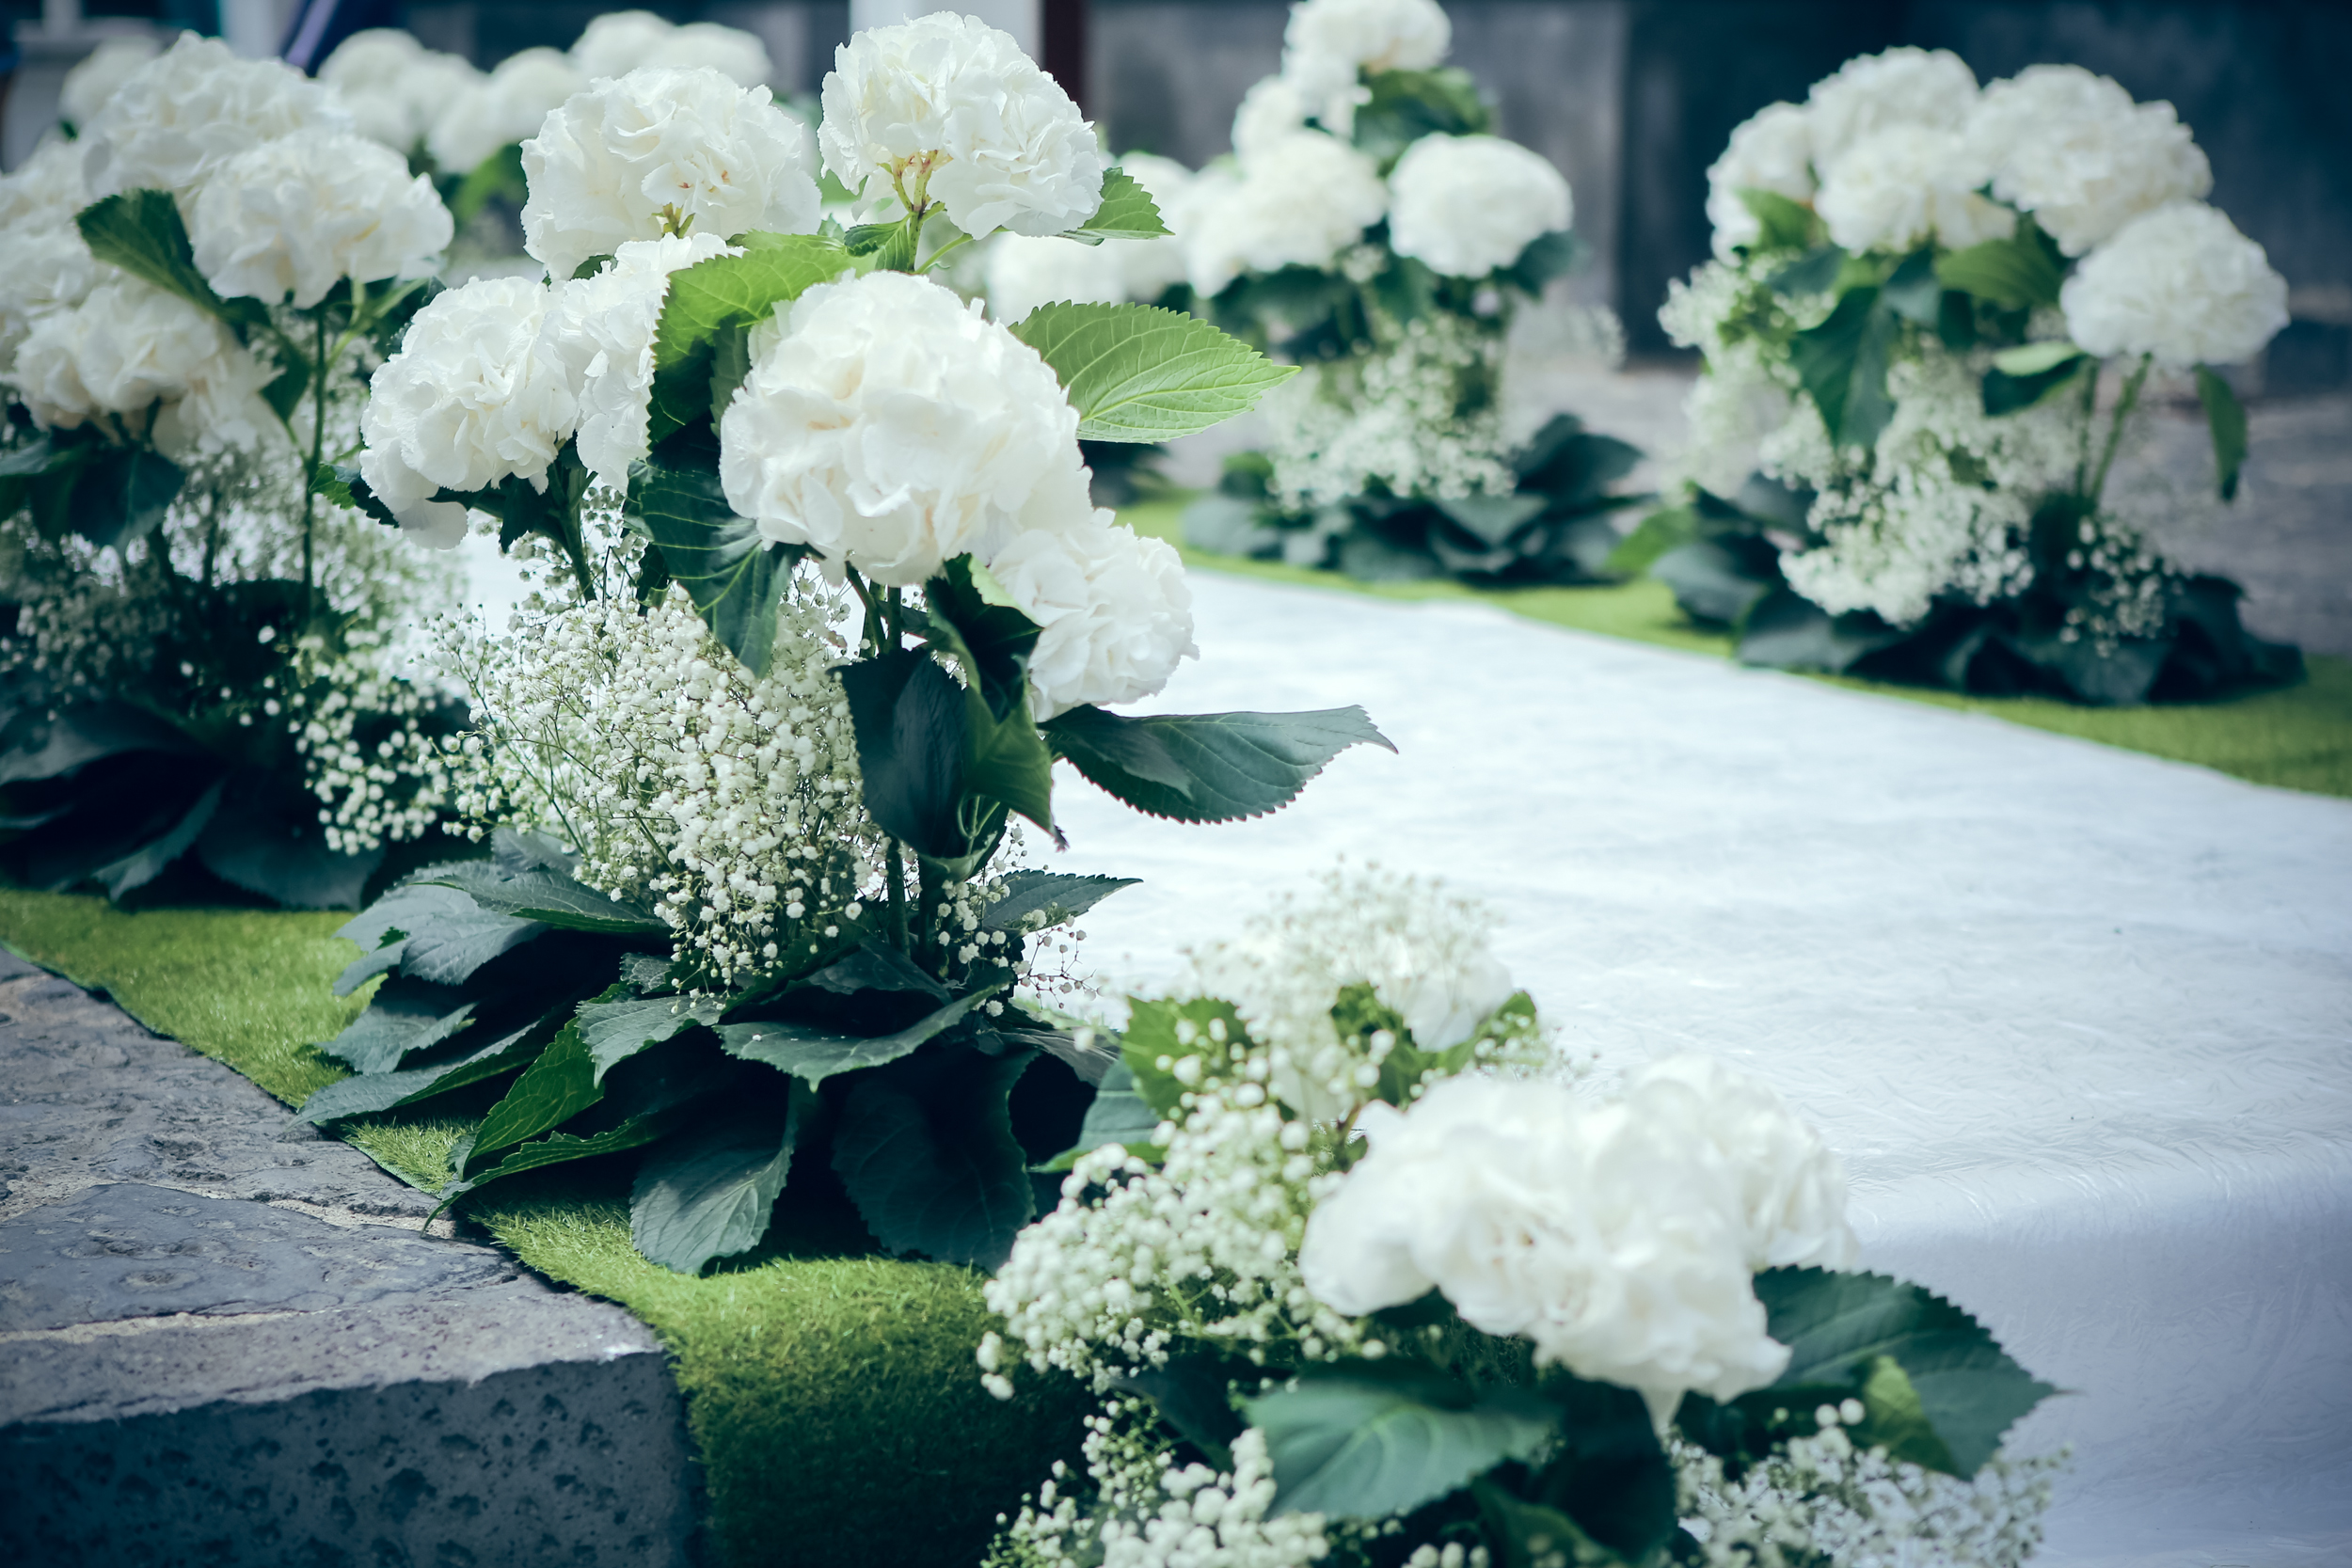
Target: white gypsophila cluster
{"x": 293, "y": 218}
{"x": 1330, "y": 45}
{"x": 1300, "y": 202}
{"x": 2072, "y": 147}
{"x": 601, "y": 330}
{"x": 1138, "y": 1508}
{"x": 1736, "y": 402}
{"x": 472, "y": 396}
{"x": 617, "y": 42}
{"x": 394, "y": 87}
{"x": 1619, "y": 1237}
{"x": 1113, "y": 612}
{"x": 1905, "y": 185}
{"x": 127, "y": 346}
{"x": 658, "y": 152}
{"x": 730, "y": 801}
{"x": 507, "y": 105}
{"x": 1427, "y": 955}
{"x": 1900, "y": 87}
{"x": 100, "y": 73}
{"x": 947, "y": 109}
{"x": 1821, "y": 1499}
{"x": 1467, "y": 205}
{"x": 1408, "y": 415}
{"x": 1771, "y": 151}
{"x": 367, "y": 759}
{"x": 182, "y": 116}
{"x": 888, "y": 426}
{"x": 2179, "y": 284}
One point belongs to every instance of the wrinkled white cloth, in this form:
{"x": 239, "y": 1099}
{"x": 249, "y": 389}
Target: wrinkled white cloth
{"x": 2075, "y": 1019}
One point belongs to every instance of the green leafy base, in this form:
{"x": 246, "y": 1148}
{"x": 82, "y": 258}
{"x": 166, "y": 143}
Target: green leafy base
{"x": 818, "y": 1385}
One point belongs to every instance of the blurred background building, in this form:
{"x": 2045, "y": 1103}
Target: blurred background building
{"x": 1632, "y": 99}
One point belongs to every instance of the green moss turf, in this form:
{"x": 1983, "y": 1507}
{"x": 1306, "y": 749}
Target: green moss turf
{"x": 832, "y": 1393}
{"x": 2296, "y": 737}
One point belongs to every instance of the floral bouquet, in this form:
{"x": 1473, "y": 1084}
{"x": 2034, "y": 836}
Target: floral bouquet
{"x": 192, "y": 291}
{"x": 1933, "y": 318}
{"x": 827, "y": 597}
{"x": 1373, "y": 229}
{"x": 1362, "y": 1276}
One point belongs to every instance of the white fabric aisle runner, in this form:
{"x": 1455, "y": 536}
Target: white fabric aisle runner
{"x": 2080, "y": 1020}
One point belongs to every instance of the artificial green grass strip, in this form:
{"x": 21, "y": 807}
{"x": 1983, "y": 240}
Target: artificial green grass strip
{"x": 838, "y": 1407}
{"x": 2294, "y": 738}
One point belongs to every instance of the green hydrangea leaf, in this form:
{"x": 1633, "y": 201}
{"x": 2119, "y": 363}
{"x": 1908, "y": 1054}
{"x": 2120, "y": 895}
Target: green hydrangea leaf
{"x": 1842, "y": 365}
{"x": 813, "y": 1054}
{"x": 708, "y": 1192}
{"x": 1128, "y": 212}
{"x": 560, "y": 1084}
{"x": 1135, "y": 373}
{"x": 616, "y": 1027}
{"x": 1207, "y": 766}
{"x": 1785, "y": 225}
{"x": 548, "y": 897}
{"x": 1366, "y": 1440}
{"x": 1053, "y": 895}
{"x": 2226, "y": 417}
{"x": 2015, "y": 274}
{"x": 925, "y": 1147}
{"x": 736, "y": 579}
{"x": 140, "y": 232}
{"x": 727, "y": 291}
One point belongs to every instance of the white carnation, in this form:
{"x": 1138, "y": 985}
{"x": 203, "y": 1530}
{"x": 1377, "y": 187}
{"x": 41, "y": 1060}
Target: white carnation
{"x": 1903, "y": 186}
{"x": 608, "y": 165}
{"x": 100, "y": 73}
{"x": 1590, "y": 1230}
{"x": 1791, "y": 1184}
{"x": 1901, "y": 86}
{"x": 602, "y": 328}
{"x": 1771, "y": 151}
{"x": 396, "y": 95}
{"x": 2180, "y": 283}
{"x": 508, "y": 106}
{"x": 191, "y": 109}
{"x": 950, "y": 108}
{"x": 1271, "y": 111}
{"x": 1327, "y": 44}
{"x": 1466, "y": 205}
{"x": 1023, "y": 273}
{"x": 296, "y": 216}
{"x": 618, "y": 42}
{"x": 888, "y": 426}
{"x": 1300, "y": 204}
{"x": 471, "y": 397}
{"x": 734, "y": 53}
{"x": 1114, "y": 613}
{"x": 2072, "y": 147}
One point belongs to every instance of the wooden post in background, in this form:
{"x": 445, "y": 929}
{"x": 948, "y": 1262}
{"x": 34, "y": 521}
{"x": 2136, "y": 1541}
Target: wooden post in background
{"x": 1064, "y": 55}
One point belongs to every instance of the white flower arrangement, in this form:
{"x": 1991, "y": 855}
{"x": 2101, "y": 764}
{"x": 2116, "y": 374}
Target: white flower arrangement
{"x": 1469, "y": 206}
{"x": 174, "y": 121}
{"x": 1916, "y": 288}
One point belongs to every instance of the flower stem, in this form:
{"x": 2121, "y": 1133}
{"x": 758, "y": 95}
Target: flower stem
{"x": 318, "y": 445}
{"x": 2124, "y": 407}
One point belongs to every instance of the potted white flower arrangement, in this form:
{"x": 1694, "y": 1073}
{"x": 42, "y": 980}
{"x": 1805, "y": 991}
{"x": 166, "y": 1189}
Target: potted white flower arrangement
{"x": 192, "y": 291}
{"x": 1363, "y": 1275}
{"x": 1372, "y": 229}
{"x": 829, "y": 599}
{"x": 1932, "y": 319}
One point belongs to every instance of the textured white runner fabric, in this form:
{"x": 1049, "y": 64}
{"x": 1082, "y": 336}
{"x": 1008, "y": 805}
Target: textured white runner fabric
{"x": 2080, "y": 1020}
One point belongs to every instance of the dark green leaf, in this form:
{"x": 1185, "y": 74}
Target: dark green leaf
{"x": 730, "y": 366}
{"x": 1912, "y": 292}
{"x": 1153, "y": 1035}
{"x": 366, "y": 1093}
{"x": 910, "y": 718}
{"x": 2016, "y": 273}
{"x": 558, "y": 1086}
{"x": 1669, "y": 528}
{"x": 1547, "y": 257}
{"x": 1785, "y": 225}
{"x": 814, "y": 1054}
{"x": 1531, "y": 1535}
{"x": 382, "y": 929}
{"x": 284, "y": 392}
{"x": 1814, "y": 273}
{"x": 498, "y": 176}
{"x": 1836, "y": 1325}
{"x": 1119, "y": 1115}
{"x": 143, "y": 864}
{"x": 122, "y": 494}
{"x": 925, "y": 1147}
{"x": 140, "y": 232}
{"x": 1720, "y": 579}
{"x": 592, "y": 267}
{"x": 2006, "y": 393}
{"x": 1842, "y": 365}
{"x": 267, "y": 839}
{"x": 875, "y": 966}
{"x": 448, "y": 945}
{"x": 547, "y": 896}
{"x": 1610, "y": 1474}
{"x": 645, "y": 973}
{"x": 1128, "y": 212}
{"x": 617, "y": 1028}
{"x": 1005, "y": 758}
{"x": 2225, "y": 417}
{"x": 343, "y": 487}
{"x": 88, "y": 731}
{"x": 1051, "y": 895}
{"x": 708, "y": 1193}
{"x": 1367, "y": 1440}
{"x": 1135, "y": 373}
{"x": 724, "y": 291}
{"x": 1403, "y": 107}
{"x": 1784, "y": 630}
{"x": 1195, "y": 1395}
{"x": 1207, "y": 766}
{"x": 736, "y": 579}
{"x": 405, "y": 1016}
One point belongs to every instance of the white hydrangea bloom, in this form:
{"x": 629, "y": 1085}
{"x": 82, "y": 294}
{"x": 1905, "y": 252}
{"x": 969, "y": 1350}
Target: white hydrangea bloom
{"x": 1300, "y": 204}
{"x": 602, "y": 329}
{"x": 890, "y": 426}
{"x": 1901, "y": 86}
{"x": 2072, "y": 147}
{"x": 1115, "y": 616}
{"x": 369, "y": 55}
{"x": 1769, "y": 150}
{"x": 1905, "y": 185}
{"x": 1791, "y": 1184}
{"x": 1466, "y": 205}
{"x": 950, "y": 106}
{"x": 506, "y": 106}
{"x": 125, "y": 347}
{"x": 191, "y": 109}
{"x": 1023, "y": 273}
{"x": 2180, "y": 283}
{"x": 397, "y": 98}
{"x": 45, "y": 191}
{"x": 296, "y": 215}
{"x": 608, "y": 165}
{"x": 1271, "y": 111}
{"x": 617, "y": 42}
{"x": 1590, "y": 1230}
{"x": 1327, "y": 44}
{"x": 471, "y": 397}
{"x": 43, "y": 271}
{"x": 100, "y": 73}
{"x": 734, "y": 53}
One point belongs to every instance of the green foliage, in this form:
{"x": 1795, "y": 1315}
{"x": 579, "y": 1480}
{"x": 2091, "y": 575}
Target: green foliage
{"x": 2225, "y": 417}
{"x": 1785, "y": 225}
{"x": 1403, "y": 107}
{"x": 1842, "y": 366}
{"x": 2022, "y": 376}
{"x": 1135, "y": 373}
{"x": 619, "y": 1026}
{"x": 1207, "y": 766}
{"x": 709, "y": 1195}
{"x": 140, "y": 232}
{"x": 723, "y": 294}
{"x": 1155, "y": 1034}
{"x": 76, "y": 482}
{"x": 926, "y": 1149}
{"x": 496, "y": 178}
{"x": 561, "y": 1082}
{"x": 2020, "y": 273}
{"x": 814, "y": 1054}
{"x": 1367, "y": 1439}
{"x": 1117, "y": 1115}
{"x": 1052, "y": 896}
{"x": 1128, "y": 212}
{"x": 736, "y": 579}
{"x": 544, "y": 895}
